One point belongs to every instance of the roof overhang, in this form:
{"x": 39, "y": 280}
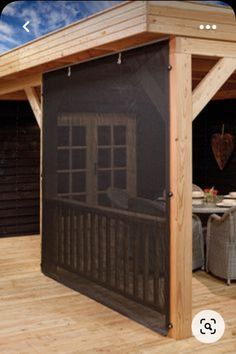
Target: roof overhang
{"x": 126, "y": 25}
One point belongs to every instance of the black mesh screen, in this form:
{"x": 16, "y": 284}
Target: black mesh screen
{"x": 105, "y": 177}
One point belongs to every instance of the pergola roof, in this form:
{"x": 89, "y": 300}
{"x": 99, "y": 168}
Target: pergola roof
{"x": 123, "y": 26}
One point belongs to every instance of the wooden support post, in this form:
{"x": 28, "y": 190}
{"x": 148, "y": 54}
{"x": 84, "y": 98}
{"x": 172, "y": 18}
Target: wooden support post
{"x": 211, "y": 83}
{"x": 34, "y": 103}
{"x": 181, "y": 186}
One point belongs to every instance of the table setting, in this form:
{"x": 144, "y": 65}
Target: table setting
{"x": 208, "y": 201}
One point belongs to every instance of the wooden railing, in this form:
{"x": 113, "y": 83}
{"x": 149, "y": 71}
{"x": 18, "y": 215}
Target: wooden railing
{"x": 120, "y": 250}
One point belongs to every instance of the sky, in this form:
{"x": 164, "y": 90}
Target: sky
{"x": 44, "y": 17}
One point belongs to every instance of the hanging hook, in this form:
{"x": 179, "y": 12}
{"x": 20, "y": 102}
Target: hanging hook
{"x": 119, "y": 59}
{"x": 223, "y": 130}
{"x": 69, "y": 71}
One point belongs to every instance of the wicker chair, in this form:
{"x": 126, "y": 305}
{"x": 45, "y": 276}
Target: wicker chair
{"x": 221, "y": 245}
{"x": 198, "y": 244}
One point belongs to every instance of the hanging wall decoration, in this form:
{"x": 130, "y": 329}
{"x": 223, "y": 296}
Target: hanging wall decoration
{"x": 222, "y": 146}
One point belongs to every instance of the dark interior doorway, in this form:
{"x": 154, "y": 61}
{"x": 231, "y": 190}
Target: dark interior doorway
{"x": 19, "y": 170}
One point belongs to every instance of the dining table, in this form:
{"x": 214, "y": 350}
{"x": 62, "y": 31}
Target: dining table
{"x": 209, "y": 208}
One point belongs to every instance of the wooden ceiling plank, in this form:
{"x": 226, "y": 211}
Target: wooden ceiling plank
{"x": 225, "y": 95}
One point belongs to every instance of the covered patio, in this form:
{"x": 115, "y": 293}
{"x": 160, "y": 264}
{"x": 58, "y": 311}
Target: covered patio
{"x": 192, "y": 67}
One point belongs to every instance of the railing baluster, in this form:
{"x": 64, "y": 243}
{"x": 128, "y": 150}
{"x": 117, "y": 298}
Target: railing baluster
{"x": 66, "y": 237}
{"x": 126, "y": 257}
{"x": 108, "y": 250}
{"x": 157, "y": 280}
{"x": 146, "y": 262}
{"x": 100, "y": 248}
{"x": 75, "y": 239}
{"x": 62, "y": 236}
{"x": 71, "y": 237}
{"x": 117, "y": 278}
{"x": 80, "y": 242}
{"x": 136, "y": 260}
{"x": 93, "y": 246}
{"x": 59, "y": 230}
{"x": 85, "y": 242}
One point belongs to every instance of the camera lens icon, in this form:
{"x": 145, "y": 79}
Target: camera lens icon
{"x": 208, "y": 326}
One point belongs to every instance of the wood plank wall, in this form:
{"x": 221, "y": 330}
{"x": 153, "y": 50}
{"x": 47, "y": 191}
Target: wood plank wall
{"x": 19, "y": 170}
{"x": 206, "y": 172}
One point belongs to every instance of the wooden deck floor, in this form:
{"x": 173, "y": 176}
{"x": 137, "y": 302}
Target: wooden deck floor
{"x": 38, "y": 315}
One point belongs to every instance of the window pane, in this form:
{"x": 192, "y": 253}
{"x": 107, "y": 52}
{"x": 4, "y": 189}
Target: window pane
{"x": 63, "y": 182}
{"x": 63, "y": 136}
{"x": 103, "y": 200}
{"x": 104, "y": 180}
{"x": 63, "y": 159}
{"x": 119, "y": 132}
{"x": 120, "y": 179}
{"x": 104, "y": 157}
{"x": 78, "y": 136}
{"x": 79, "y": 159}
{"x": 104, "y": 135}
{"x": 78, "y": 182}
{"x": 119, "y": 157}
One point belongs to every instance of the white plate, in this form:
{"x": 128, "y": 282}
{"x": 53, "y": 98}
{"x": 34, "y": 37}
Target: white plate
{"x": 224, "y": 205}
{"x": 197, "y": 194}
{"x": 197, "y": 202}
{"x": 229, "y": 197}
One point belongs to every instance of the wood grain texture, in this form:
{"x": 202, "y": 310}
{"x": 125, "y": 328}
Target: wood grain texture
{"x": 19, "y": 171}
{"x": 35, "y": 104}
{"x": 181, "y": 187}
{"x": 206, "y": 47}
{"x": 125, "y": 25}
{"x": 122, "y": 21}
{"x": 12, "y": 86}
{"x": 39, "y": 315}
{"x": 211, "y": 83}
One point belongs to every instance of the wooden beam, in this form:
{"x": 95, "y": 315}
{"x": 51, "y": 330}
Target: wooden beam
{"x": 34, "y": 103}
{"x": 125, "y": 20}
{"x": 181, "y": 187}
{"x": 10, "y": 86}
{"x": 211, "y": 83}
{"x": 205, "y": 47}
{"x": 14, "y": 96}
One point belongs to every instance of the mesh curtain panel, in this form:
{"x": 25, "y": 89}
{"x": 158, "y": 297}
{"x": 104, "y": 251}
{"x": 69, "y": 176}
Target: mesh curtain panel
{"x": 106, "y": 178}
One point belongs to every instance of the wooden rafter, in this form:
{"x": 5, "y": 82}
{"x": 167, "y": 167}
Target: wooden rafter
{"x": 211, "y": 83}
{"x": 10, "y": 86}
{"x": 34, "y": 103}
{"x": 125, "y": 25}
